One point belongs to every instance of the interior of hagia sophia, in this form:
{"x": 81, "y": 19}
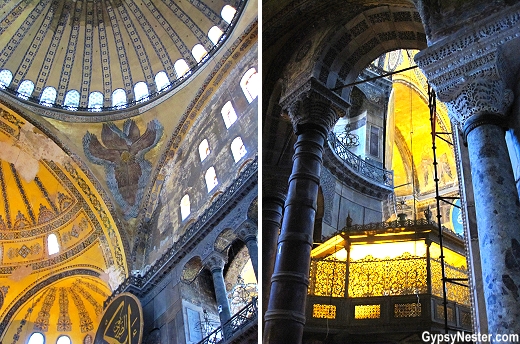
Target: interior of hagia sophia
{"x": 384, "y": 230}
{"x": 128, "y": 166}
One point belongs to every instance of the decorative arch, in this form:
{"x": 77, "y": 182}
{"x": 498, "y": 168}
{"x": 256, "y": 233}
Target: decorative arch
{"x": 224, "y": 240}
{"x": 191, "y": 269}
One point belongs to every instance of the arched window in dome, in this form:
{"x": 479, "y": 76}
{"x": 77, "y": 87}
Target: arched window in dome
{"x": 63, "y": 340}
{"x": 118, "y": 97}
{"x": 161, "y": 80}
{"x": 204, "y": 149}
{"x": 141, "y": 91}
{"x": 238, "y": 149}
{"x": 25, "y": 89}
{"x": 228, "y": 114}
{"x": 198, "y": 52}
{"x": 211, "y": 178}
{"x": 52, "y": 244}
{"x": 36, "y": 338}
{"x": 95, "y": 100}
{"x": 185, "y": 207}
{"x": 214, "y": 34}
{"x": 228, "y": 12}
{"x": 5, "y": 78}
{"x": 249, "y": 84}
{"x": 71, "y": 99}
{"x": 181, "y": 67}
{"x": 48, "y": 96}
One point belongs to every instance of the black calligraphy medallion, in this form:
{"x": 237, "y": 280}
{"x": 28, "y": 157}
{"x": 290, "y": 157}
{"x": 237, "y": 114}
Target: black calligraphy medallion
{"x": 122, "y": 321}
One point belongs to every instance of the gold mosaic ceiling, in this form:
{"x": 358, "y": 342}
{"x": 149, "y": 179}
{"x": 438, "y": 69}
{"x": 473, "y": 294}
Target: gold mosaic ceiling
{"x": 98, "y": 47}
{"x": 46, "y": 197}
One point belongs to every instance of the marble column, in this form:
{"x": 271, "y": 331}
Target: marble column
{"x": 247, "y": 232}
{"x": 273, "y": 199}
{"x": 215, "y": 263}
{"x": 498, "y": 215}
{"x": 313, "y": 117}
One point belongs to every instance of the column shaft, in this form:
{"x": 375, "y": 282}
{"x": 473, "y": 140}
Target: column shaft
{"x": 285, "y": 317}
{"x": 498, "y": 215}
{"x": 271, "y": 218}
{"x": 252, "y": 248}
{"x": 221, "y": 295}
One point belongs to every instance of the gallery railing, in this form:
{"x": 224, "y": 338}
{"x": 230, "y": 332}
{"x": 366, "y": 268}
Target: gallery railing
{"x": 364, "y": 168}
{"x": 246, "y": 316}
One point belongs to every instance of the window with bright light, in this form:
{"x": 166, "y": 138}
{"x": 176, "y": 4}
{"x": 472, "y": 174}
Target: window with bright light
{"x": 52, "y": 244}
{"x": 141, "y": 91}
{"x": 95, "y": 100}
{"x": 228, "y": 114}
{"x": 181, "y": 67}
{"x": 214, "y": 34}
{"x": 249, "y": 84}
{"x": 211, "y": 178}
{"x": 63, "y": 340}
{"x": 198, "y": 52}
{"x": 25, "y": 89}
{"x": 238, "y": 149}
{"x": 185, "y": 207}
{"x": 36, "y": 338}
{"x": 118, "y": 97}
{"x": 5, "y": 78}
{"x": 48, "y": 95}
{"x": 228, "y": 12}
{"x": 204, "y": 149}
{"x": 161, "y": 80}
{"x": 71, "y": 99}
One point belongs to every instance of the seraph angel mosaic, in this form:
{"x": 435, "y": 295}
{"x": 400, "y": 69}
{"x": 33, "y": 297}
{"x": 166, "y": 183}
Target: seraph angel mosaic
{"x": 122, "y": 156}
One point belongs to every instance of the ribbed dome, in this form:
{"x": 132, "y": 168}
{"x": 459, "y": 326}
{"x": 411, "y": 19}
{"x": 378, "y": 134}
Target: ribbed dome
{"x": 102, "y": 55}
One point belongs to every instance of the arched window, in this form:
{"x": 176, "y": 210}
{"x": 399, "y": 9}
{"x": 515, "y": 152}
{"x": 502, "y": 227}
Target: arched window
{"x": 198, "y": 52}
{"x": 25, "y": 89}
{"x": 181, "y": 67}
{"x": 229, "y": 114}
{"x": 228, "y": 12}
{"x": 63, "y": 340}
{"x": 95, "y": 100}
{"x": 211, "y": 178}
{"x": 71, "y": 99}
{"x": 249, "y": 84}
{"x": 185, "y": 207}
{"x": 238, "y": 149}
{"x": 204, "y": 149}
{"x": 48, "y": 96}
{"x": 36, "y": 338}
{"x": 214, "y": 34}
{"x": 52, "y": 244}
{"x": 141, "y": 91}
{"x": 161, "y": 80}
{"x": 118, "y": 97}
{"x": 5, "y": 78}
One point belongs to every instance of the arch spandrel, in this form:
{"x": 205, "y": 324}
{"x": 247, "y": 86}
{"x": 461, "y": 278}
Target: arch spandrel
{"x": 43, "y": 192}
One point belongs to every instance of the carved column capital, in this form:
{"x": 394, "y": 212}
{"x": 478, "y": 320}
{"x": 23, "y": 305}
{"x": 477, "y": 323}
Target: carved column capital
{"x": 215, "y": 261}
{"x": 312, "y": 104}
{"x": 275, "y": 183}
{"x": 473, "y": 71}
{"x": 247, "y": 230}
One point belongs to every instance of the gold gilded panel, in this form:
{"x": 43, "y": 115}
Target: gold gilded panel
{"x": 403, "y": 275}
{"x": 407, "y": 310}
{"x": 367, "y": 311}
{"x": 455, "y": 292}
{"x": 323, "y": 311}
{"x": 327, "y": 278}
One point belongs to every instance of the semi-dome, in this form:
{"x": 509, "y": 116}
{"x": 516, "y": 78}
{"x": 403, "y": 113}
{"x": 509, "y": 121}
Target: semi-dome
{"x": 88, "y": 58}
